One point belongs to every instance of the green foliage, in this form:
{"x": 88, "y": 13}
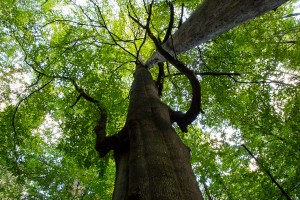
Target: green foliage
{"x": 47, "y": 136}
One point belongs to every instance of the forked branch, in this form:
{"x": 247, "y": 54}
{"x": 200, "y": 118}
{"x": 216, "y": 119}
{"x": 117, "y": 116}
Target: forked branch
{"x": 103, "y": 143}
{"x": 182, "y": 119}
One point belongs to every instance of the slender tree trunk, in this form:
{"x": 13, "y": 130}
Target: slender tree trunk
{"x": 154, "y": 164}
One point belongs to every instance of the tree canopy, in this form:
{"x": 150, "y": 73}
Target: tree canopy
{"x": 245, "y": 144}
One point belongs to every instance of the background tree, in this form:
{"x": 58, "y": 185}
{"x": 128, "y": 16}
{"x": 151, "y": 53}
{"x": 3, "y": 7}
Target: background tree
{"x": 54, "y": 54}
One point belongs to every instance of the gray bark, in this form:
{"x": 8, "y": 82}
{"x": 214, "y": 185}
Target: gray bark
{"x": 212, "y": 18}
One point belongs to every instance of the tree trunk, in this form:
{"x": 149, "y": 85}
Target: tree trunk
{"x": 212, "y": 18}
{"x": 154, "y": 164}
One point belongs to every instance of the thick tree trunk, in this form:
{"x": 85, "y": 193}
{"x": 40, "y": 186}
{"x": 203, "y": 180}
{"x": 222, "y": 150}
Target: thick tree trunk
{"x": 212, "y": 18}
{"x": 154, "y": 164}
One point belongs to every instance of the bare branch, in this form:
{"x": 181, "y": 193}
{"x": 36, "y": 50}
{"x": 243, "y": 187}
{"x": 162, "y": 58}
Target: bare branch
{"x": 291, "y": 15}
{"x": 207, "y": 191}
{"x": 77, "y": 99}
{"x": 111, "y": 34}
{"x": 181, "y": 15}
{"x": 171, "y": 23}
{"x": 209, "y": 74}
{"x": 70, "y": 21}
{"x": 140, "y": 47}
{"x": 284, "y": 193}
{"x": 135, "y": 17}
{"x": 259, "y": 82}
{"x": 160, "y": 78}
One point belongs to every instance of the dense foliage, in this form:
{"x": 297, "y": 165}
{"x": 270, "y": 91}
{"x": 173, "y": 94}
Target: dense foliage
{"x": 247, "y": 138}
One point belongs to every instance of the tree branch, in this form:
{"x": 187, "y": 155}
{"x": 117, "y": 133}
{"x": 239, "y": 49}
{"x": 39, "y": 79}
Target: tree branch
{"x": 209, "y": 74}
{"x": 103, "y": 143}
{"x": 160, "y": 78}
{"x": 204, "y": 24}
{"x": 259, "y": 82}
{"x": 18, "y": 105}
{"x": 77, "y": 99}
{"x": 207, "y": 191}
{"x": 111, "y": 142}
{"x": 284, "y": 193}
{"x": 111, "y": 34}
{"x": 291, "y": 15}
{"x": 70, "y": 21}
{"x": 171, "y": 23}
{"x": 181, "y": 15}
{"x": 100, "y": 128}
{"x": 15, "y": 133}
{"x": 182, "y": 119}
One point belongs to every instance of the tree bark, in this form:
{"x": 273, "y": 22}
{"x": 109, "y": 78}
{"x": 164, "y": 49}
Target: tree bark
{"x": 212, "y": 18}
{"x": 154, "y": 163}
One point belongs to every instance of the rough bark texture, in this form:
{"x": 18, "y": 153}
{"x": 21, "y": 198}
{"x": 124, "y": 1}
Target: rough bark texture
{"x": 212, "y": 18}
{"x": 154, "y": 164}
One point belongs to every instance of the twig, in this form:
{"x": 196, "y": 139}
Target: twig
{"x": 70, "y": 21}
{"x": 111, "y": 34}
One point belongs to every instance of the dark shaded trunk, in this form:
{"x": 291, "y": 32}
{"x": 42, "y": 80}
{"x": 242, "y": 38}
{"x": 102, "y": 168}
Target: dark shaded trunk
{"x": 154, "y": 163}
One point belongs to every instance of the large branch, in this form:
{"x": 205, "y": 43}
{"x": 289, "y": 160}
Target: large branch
{"x": 182, "y": 119}
{"x": 212, "y": 18}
